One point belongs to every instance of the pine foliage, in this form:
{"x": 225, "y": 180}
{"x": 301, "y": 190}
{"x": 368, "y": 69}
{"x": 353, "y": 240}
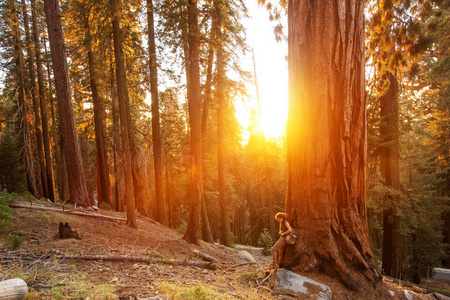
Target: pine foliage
{"x": 265, "y": 241}
{"x": 5, "y": 210}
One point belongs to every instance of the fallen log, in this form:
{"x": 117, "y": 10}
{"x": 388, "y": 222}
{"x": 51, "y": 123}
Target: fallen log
{"x": 13, "y": 289}
{"x": 150, "y": 260}
{"x": 205, "y": 256}
{"x": 73, "y": 212}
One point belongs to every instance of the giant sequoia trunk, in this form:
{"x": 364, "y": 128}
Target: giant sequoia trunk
{"x": 72, "y": 152}
{"x": 390, "y": 170}
{"x": 327, "y": 150}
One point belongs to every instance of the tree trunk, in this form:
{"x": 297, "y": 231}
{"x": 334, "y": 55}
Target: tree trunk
{"x": 122, "y": 90}
{"x": 104, "y": 186}
{"x": 223, "y": 201}
{"x": 267, "y": 180}
{"x": 327, "y": 148}
{"x": 140, "y": 190}
{"x": 18, "y": 58}
{"x": 40, "y": 167}
{"x": 390, "y": 170}
{"x": 43, "y": 105}
{"x": 194, "y": 103}
{"x": 77, "y": 183}
{"x": 206, "y": 228}
{"x": 161, "y": 210}
{"x": 57, "y": 141}
{"x": 118, "y": 167}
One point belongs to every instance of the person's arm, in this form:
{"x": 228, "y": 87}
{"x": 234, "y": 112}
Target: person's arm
{"x": 289, "y": 229}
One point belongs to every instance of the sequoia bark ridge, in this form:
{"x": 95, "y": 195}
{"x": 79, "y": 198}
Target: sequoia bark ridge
{"x": 327, "y": 140}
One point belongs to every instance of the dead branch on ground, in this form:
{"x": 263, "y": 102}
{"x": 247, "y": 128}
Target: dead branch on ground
{"x": 150, "y": 260}
{"x": 205, "y": 256}
{"x": 73, "y": 212}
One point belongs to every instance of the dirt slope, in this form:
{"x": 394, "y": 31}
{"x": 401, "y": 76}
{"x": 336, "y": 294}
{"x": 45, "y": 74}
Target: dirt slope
{"x": 52, "y": 278}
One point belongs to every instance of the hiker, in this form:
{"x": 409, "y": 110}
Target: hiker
{"x": 278, "y": 248}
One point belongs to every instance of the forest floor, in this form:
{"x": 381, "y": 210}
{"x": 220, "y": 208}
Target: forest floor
{"x": 49, "y": 276}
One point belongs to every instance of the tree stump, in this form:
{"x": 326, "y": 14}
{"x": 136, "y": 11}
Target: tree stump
{"x": 65, "y": 232}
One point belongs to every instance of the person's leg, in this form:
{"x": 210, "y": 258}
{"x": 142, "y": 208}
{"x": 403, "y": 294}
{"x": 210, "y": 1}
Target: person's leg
{"x": 279, "y": 244}
{"x": 280, "y": 253}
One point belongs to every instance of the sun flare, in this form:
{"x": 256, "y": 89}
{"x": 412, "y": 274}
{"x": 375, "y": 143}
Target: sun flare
{"x": 271, "y": 73}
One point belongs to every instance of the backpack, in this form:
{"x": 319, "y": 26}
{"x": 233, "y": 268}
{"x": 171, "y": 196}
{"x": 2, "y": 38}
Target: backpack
{"x": 291, "y": 238}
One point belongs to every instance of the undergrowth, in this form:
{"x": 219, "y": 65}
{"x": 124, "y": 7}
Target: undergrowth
{"x": 13, "y": 241}
{"x": 5, "y": 210}
{"x": 198, "y": 292}
{"x": 60, "y": 281}
{"x": 265, "y": 241}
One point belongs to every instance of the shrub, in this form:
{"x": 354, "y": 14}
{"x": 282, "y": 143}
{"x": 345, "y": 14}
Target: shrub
{"x": 249, "y": 278}
{"x": 14, "y": 241}
{"x": 5, "y": 210}
{"x": 265, "y": 241}
{"x": 198, "y": 292}
{"x": 233, "y": 239}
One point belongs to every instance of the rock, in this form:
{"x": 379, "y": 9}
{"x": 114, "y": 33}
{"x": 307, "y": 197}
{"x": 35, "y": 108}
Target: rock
{"x": 408, "y": 295}
{"x": 13, "y": 289}
{"x": 392, "y": 293}
{"x": 251, "y": 249}
{"x": 244, "y": 257}
{"x": 289, "y": 283}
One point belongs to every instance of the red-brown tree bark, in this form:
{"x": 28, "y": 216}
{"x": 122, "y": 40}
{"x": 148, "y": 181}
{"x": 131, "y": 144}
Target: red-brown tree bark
{"x": 161, "y": 210}
{"x": 390, "y": 170}
{"x": 43, "y": 104}
{"x": 19, "y": 73}
{"x": 118, "y": 167}
{"x": 61, "y": 174}
{"x": 206, "y": 227}
{"x": 72, "y": 152}
{"x": 327, "y": 140}
{"x": 103, "y": 181}
{"x": 195, "y": 107}
{"x": 40, "y": 158}
{"x": 223, "y": 200}
{"x": 123, "y": 112}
